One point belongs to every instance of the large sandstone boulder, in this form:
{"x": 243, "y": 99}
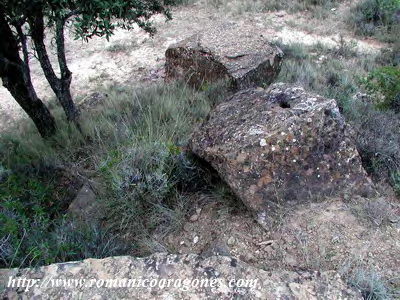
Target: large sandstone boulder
{"x": 281, "y": 145}
{"x": 163, "y": 276}
{"x": 227, "y": 52}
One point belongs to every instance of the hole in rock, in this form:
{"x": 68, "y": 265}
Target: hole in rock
{"x": 284, "y": 104}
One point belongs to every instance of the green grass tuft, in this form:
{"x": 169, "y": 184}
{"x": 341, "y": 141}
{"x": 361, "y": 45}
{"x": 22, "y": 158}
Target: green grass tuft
{"x": 371, "y": 285}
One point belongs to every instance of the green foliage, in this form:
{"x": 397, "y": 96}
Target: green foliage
{"x": 384, "y": 85}
{"x": 90, "y": 18}
{"x": 33, "y": 230}
{"x": 26, "y": 198}
{"x": 370, "y": 17}
{"x": 100, "y": 18}
{"x": 395, "y": 178}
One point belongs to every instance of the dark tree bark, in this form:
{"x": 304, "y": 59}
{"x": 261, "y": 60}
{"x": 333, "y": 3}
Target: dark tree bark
{"x": 60, "y": 86}
{"x": 16, "y": 78}
{"x": 66, "y": 75}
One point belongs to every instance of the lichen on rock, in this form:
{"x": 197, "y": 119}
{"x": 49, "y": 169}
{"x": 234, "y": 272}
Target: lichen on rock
{"x": 281, "y": 145}
{"x": 190, "y": 277}
{"x": 226, "y": 52}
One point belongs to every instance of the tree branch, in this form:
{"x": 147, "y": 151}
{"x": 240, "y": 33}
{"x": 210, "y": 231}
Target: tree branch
{"x": 60, "y": 42}
{"x": 36, "y": 24}
{"x": 71, "y": 14}
{"x": 25, "y": 53}
{"x": 5, "y": 65}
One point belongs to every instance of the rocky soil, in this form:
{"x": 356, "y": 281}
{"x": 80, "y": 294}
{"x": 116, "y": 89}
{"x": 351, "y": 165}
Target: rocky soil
{"x": 331, "y": 235}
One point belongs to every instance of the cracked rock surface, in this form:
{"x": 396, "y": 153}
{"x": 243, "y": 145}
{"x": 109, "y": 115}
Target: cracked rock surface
{"x": 280, "y": 146}
{"x": 227, "y": 52}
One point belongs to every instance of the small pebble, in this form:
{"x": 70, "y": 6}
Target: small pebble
{"x": 194, "y": 218}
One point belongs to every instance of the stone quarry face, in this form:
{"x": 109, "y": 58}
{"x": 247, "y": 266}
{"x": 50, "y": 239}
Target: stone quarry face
{"x": 281, "y": 145}
{"x": 172, "y": 277}
{"x": 239, "y": 56}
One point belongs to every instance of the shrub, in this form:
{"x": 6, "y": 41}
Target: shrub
{"x": 147, "y": 168}
{"x": 378, "y": 140}
{"x": 149, "y": 182}
{"x": 75, "y": 241}
{"x": 370, "y": 17}
{"x": 371, "y": 284}
{"x": 395, "y": 179}
{"x": 384, "y": 85}
{"x": 390, "y": 56}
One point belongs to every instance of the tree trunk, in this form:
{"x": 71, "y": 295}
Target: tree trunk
{"x": 33, "y": 106}
{"x": 16, "y": 78}
{"x": 60, "y": 86}
{"x": 66, "y": 75}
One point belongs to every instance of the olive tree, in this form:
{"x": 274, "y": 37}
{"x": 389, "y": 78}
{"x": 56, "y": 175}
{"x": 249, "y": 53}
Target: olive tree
{"x": 31, "y": 20}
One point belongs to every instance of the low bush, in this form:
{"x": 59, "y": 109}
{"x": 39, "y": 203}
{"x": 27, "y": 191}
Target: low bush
{"x": 370, "y": 283}
{"x": 148, "y": 169}
{"x": 378, "y": 140}
{"x": 149, "y": 183}
{"x": 383, "y": 84}
{"x": 376, "y": 17}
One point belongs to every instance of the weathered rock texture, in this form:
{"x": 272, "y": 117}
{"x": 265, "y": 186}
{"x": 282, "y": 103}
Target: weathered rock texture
{"x": 192, "y": 270}
{"x": 227, "y": 52}
{"x": 281, "y": 145}
{"x": 84, "y": 206}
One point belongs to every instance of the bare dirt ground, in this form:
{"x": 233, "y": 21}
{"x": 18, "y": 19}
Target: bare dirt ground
{"x": 132, "y": 57}
{"x": 330, "y": 235}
